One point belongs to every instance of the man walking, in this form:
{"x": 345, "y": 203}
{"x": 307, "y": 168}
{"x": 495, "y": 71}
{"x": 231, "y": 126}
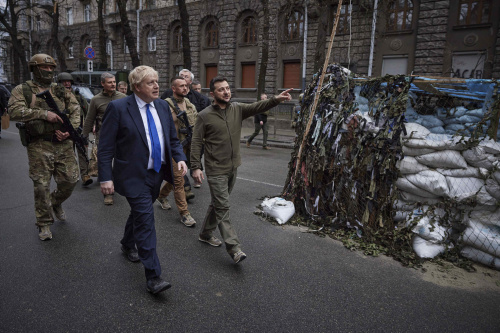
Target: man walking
{"x": 66, "y": 80}
{"x": 219, "y": 127}
{"x": 137, "y": 144}
{"x": 260, "y": 121}
{"x": 93, "y": 121}
{"x": 50, "y": 151}
{"x": 178, "y": 103}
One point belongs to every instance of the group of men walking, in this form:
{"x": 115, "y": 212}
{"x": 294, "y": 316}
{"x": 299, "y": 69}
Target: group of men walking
{"x": 142, "y": 140}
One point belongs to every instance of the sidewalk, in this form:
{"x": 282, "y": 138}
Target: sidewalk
{"x": 284, "y": 138}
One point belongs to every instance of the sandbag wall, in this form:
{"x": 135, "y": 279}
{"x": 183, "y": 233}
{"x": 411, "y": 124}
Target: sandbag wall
{"x": 364, "y": 166}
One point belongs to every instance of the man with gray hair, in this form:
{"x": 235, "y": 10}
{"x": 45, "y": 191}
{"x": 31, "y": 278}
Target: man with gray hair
{"x": 93, "y": 122}
{"x": 200, "y": 101}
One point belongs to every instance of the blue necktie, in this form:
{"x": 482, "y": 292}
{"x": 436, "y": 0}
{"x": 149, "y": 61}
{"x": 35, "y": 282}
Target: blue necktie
{"x": 155, "y": 141}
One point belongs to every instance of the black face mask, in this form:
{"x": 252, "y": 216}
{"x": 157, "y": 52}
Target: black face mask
{"x": 43, "y": 77}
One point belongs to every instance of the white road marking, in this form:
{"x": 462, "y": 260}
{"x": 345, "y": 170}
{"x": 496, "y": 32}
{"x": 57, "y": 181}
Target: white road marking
{"x": 255, "y": 181}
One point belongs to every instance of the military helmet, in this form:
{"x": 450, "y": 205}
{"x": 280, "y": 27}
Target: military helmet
{"x": 65, "y": 77}
{"x": 41, "y": 59}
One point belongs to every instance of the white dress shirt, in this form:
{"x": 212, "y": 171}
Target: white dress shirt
{"x": 142, "y": 109}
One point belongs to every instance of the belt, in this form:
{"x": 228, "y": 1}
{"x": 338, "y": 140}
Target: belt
{"x": 49, "y": 138}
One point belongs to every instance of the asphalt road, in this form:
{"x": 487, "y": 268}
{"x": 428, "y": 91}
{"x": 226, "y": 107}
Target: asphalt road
{"x": 290, "y": 282}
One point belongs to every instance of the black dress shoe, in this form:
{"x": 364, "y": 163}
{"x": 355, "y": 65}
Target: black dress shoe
{"x": 157, "y": 285}
{"x": 131, "y": 254}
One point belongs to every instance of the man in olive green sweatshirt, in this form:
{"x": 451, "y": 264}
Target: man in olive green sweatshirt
{"x": 218, "y": 127}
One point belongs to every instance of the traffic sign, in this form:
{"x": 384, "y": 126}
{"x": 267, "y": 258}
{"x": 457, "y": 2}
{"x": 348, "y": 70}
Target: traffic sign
{"x": 89, "y": 52}
{"x": 90, "y": 66}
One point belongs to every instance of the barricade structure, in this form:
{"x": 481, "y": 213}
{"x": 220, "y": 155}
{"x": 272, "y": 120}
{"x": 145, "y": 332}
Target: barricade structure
{"x": 405, "y": 162}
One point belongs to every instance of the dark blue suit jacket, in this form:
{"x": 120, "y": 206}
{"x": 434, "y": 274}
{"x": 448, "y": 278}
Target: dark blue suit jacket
{"x": 123, "y": 138}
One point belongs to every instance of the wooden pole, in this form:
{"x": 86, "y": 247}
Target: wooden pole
{"x": 320, "y": 84}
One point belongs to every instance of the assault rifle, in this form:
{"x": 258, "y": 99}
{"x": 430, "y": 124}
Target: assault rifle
{"x": 188, "y": 130}
{"x": 78, "y": 140}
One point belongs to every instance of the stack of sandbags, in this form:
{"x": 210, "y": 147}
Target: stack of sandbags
{"x": 439, "y": 168}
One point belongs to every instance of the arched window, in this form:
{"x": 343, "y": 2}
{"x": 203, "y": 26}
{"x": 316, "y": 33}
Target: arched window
{"x": 86, "y": 13}
{"x": 70, "y": 50}
{"x": 474, "y": 12}
{"x": 344, "y": 19}
{"x": 400, "y": 15}
{"x": 249, "y": 30}
{"x": 212, "y": 34}
{"x": 295, "y": 26}
{"x": 177, "y": 38}
{"x": 152, "y": 41}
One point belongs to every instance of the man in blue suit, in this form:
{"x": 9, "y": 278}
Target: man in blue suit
{"x": 138, "y": 132}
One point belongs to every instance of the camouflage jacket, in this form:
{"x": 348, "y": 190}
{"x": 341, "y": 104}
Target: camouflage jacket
{"x": 98, "y": 105}
{"x": 190, "y": 112}
{"x": 26, "y": 109}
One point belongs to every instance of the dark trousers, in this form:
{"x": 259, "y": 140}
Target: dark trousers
{"x": 140, "y": 228}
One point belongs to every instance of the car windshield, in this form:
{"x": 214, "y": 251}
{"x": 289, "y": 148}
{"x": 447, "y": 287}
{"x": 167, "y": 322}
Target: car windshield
{"x": 85, "y": 92}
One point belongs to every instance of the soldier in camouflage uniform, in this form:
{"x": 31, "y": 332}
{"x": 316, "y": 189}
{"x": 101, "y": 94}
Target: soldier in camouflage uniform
{"x": 66, "y": 80}
{"x": 50, "y": 151}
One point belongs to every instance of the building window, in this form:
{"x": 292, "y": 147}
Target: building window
{"x": 152, "y": 41}
{"x": 291, "y": 75}
{"x": 248, "y": 75}
{"x": 177, "y": 39}
{"x": 295, "y": 26}
{"x": 125, "y": 46}
{"x": 474, "y": 12}
{"x": 394, "y": 65}
{"x": 212, "y": 34}
{"x": 344, "y": 19}
{"x": 38, "y": 23}
{"x": 468, "y": 65}
{"x": 86, "y": 13}
{"x": 70, "y": 50}
{"x": 109, "y": 47}
{"x": 210, "y": 73}
{"x": 249, "y": 29}
{"x": 150, "y": 4}
{"x": 400, "y": 15}
{"x": 69, "y": 15}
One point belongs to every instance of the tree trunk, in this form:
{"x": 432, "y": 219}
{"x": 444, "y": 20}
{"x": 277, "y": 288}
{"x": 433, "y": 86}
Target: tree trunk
{"x": 102, "y": 34}
{"x": 186, "y": 48}
{"x": 127, "y": 31}
{"x": 19, "y": 63}
{"x": 261, "y": 82}
{"x": 55, "y": 38}
{"x": 319, "y": 56}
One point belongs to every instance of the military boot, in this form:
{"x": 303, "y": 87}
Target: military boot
{"x": 108, "y": 199}
{"x": 189, "y": 194}
{"x": 44, "y": 233}
{"x": 59, "y": 212}
{"x": 86, "y": 180}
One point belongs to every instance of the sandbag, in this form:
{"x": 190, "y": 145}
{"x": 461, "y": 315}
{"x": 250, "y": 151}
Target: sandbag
{"x": 413, "y": 198}
{"x": 437, "y": 130}
{"x": 496, "y": 176}
{"x": 408, "y": 151}
{"x": 483, "y": 237}
{"x": 476, "y": 113}
{"x": 407, "y": 186}
{"x": 461, "y": 173}
{"x": 430, "y": 181}
{"x": 426, "y": 249}
{"x": 432, "y": 232}
{"x": 493, "y": 188}
{"x": 429, "y": 121}
{"x": 478, "y": 157}
{"x": 409, "y": 165}
{"x": 437, "y": 142}
{"x": 490, "y": 146}
{"x": 279, "y": 208}
{"x": 469, "y": 119}
{"x": 449, "y": 159}
{"x": 463, "y": 188}
{"x": 483, "y": 217}
{"x": 458, "y": 111}
{"x": 481, "y": 257}
{"x": 415, "y": 131}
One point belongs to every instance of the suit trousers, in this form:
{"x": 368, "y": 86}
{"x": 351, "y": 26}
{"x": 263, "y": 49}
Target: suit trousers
{"x": 140, "y": 228}
{"x": 218, "y": 211}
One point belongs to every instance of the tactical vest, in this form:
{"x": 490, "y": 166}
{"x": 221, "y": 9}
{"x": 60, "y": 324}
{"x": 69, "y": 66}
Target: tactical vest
{"x": 39, "y": 127}
{"x": 190, "y": 112}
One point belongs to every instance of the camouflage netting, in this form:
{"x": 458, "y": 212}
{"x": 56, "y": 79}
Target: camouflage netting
{"x": 380, "y": 163}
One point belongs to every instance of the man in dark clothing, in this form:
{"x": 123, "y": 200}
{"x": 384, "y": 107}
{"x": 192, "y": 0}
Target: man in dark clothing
{"x": 200, "y": 101}
{"x": 260, "y": 121}
{"x": 4, "y": 101}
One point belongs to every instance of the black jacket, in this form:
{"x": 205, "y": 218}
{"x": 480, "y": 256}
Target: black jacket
{"x": 200, "y": 101}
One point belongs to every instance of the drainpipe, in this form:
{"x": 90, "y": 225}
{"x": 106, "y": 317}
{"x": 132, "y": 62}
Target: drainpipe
{"x": 304, "y": 56}
{"x": 111, "y": 53}
{"x": 138, "y": 25}
{"x": 372, "y": 43}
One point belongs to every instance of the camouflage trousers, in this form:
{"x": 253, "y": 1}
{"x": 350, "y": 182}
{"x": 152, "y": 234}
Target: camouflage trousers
{"x": 82, "y": 163}
{"x": 92, "y": 168}
{"x": 47, "y": 160}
